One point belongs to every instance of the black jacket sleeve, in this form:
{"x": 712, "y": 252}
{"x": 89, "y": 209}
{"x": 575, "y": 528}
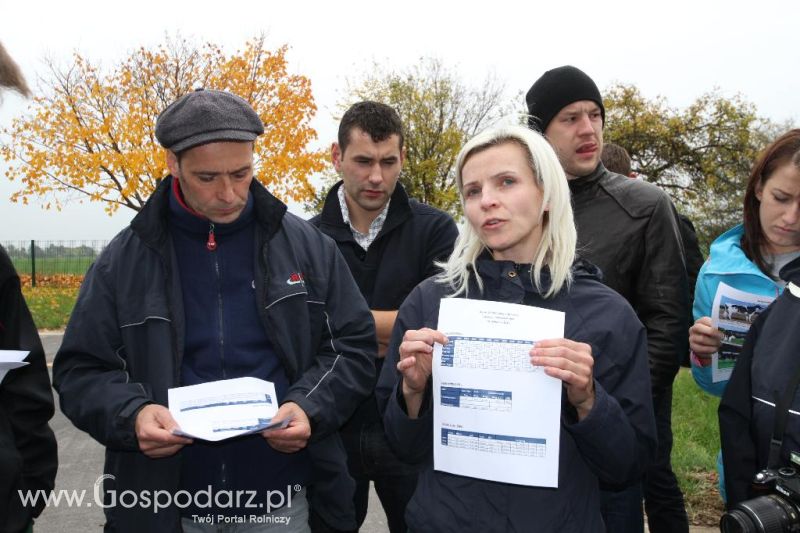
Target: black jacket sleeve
{"x": 694, "y": 261}
{"x": 618, "y": 437}
{"x": 411, "y": 439}
{"x": 95, "y": 389}
{"x": 662, "y": 295}
{"x": 28, "y": 455}
{"x": 440, "y": 242}
{"x": 343, "y": 373}
{"x": 739, "y": 452}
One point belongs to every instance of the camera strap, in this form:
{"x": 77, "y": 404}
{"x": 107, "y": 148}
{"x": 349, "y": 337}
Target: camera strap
{"x": 781, "y": 416}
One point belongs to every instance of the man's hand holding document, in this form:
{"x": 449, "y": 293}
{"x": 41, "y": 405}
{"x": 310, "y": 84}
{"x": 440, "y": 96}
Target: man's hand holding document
{"x": 223, "y": 409}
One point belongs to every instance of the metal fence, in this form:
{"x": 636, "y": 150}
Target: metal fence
{"x": 44, "y": 259}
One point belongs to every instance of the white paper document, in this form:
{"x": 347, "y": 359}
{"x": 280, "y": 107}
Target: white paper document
{"x": 11, "y": 359}
{"x": 495, "y": 415}
{"x": 223, "y": 409}
{"x": 733, "y": 313}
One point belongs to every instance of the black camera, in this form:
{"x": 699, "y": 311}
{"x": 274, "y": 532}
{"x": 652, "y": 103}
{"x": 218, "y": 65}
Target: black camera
{"x": 776, "y": 512}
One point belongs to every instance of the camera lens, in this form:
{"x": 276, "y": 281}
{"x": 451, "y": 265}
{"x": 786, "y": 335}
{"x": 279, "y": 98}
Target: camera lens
{"x": 765, "y": 514}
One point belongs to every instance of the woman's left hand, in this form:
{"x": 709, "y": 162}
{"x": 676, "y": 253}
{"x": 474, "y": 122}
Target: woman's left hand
{"x": 572, "y": 363}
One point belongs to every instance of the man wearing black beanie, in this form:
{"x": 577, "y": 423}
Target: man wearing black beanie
{"x": 629, "y": 229}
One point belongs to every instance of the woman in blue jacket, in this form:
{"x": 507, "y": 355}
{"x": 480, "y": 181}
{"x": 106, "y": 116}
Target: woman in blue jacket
{"x": 519, "y": 247}
{"x": 749, "y": 256}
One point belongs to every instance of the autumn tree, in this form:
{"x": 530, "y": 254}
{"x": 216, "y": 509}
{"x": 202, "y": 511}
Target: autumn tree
{"x": 440, "y": 112}
{"x": 700, "y": 155}
{"x": 90, "y": 134}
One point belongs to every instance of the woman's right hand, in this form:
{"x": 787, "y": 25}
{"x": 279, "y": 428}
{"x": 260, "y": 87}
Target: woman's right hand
{"x": 416, "y": 359}
{"x": 704, "y": 338}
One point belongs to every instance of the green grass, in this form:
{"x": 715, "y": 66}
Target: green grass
{"x": 695, "y": 432}
{"x": 47, "y": 266}
{"x": 50, "y": 306}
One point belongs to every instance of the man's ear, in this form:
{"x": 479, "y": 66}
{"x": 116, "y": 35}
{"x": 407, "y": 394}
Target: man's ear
{"x": 173, "y": 165}
{"x": 336, "y": 156}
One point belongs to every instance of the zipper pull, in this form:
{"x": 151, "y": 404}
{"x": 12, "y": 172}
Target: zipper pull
{"x": 211, "y": 244}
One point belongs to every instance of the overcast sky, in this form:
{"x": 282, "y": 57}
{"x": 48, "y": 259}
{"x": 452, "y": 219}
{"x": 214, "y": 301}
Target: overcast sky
{"x": 678, "y": 49}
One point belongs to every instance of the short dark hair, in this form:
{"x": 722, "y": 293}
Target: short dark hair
{"x": 616, "y": 159}
{"x": 784, "y": 150}
{"x": 379, "y": 120}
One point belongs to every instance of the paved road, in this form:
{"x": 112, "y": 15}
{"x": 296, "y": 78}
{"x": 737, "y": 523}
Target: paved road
{"x": 81, "y": 464}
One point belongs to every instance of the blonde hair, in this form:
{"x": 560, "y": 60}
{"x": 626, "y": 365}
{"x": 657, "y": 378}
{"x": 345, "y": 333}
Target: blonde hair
{"x": 556, "y": 248}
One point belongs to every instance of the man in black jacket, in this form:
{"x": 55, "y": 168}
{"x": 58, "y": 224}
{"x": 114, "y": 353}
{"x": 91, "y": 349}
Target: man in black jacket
{"x": 28, "y": 451}
{"x": 390, "y": 243}
{"x": 629, "y": 229}
{"x": 214, "y": 280}
{"x": 616, "y": 159}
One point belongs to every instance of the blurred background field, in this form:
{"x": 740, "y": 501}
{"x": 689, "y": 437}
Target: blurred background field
{"x": 47, "y": 262}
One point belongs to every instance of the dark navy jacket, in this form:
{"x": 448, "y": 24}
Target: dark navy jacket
{"x": 769, "y": 360}
{"x": 413, "y": 237}
{"x": 124, "y": 344}
{"x": 613, "y": 444}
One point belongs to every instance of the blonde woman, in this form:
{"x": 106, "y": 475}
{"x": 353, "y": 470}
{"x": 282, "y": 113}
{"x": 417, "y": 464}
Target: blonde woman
{"x": 519, "y": 247}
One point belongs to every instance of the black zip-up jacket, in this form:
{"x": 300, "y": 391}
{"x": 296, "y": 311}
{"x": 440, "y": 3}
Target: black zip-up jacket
{"x": 413, "y": 237}
{"x": 629, "y": 228}
{"x": 767, "y": 363}
{"x": 613, "y": 444}
{"x": 28, "y": 454}
{"x": 124, "y": 342}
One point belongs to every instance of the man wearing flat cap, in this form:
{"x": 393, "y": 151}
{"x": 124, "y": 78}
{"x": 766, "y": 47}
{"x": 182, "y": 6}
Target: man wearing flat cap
{"x": 629, "y": 229}
{"x": 214, "y": 280}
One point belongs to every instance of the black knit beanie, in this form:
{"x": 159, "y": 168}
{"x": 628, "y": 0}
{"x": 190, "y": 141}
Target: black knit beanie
{"x": 556, "y": 89}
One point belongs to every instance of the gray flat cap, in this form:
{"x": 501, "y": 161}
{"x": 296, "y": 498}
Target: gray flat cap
{"x": 205, "y": 116}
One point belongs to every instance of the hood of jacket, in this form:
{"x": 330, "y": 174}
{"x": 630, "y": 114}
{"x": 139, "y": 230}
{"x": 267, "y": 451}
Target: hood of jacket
{"x": 726, "y": 255}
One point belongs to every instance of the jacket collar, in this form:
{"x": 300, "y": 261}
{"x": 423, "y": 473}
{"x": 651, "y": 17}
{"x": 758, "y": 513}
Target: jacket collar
{"x": 727, "y": 257}
{"x": 331, "y": 215}
{"x": 151, "y": 224}
{"x": 498, "y": 276}
{"x": 582, "y": 183}
{"x": 183, "y": 216}
{"x": 791, "y": 272}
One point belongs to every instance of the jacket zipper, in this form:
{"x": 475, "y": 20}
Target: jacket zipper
{"x": 211, "y": 245}
{"x": 221, "y": 321}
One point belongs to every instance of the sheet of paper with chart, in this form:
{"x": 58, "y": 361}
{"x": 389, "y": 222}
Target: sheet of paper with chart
{"x": 733, "y": 313}
{"x": 223, "y": 409}
{"x": 495, "y": 415}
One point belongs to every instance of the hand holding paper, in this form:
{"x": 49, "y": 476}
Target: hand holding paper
{"x": 293, "y": 436}
{"x": 416, "y": 352}
{"x": 415, "y": 365}
{"x": 704, "y": 339}
{"x": 572, "y": 363}
{"x": 154, "y": 430}
{"x": 223, "y": 409}
{"x": 496, "y": 416}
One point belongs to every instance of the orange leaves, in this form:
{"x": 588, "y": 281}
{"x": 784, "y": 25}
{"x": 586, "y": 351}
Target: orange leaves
{"x": 71, "y": 281}
{"x": 92, "y": 133}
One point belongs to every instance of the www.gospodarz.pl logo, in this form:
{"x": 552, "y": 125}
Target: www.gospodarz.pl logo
{"x": 161, "y": 499}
